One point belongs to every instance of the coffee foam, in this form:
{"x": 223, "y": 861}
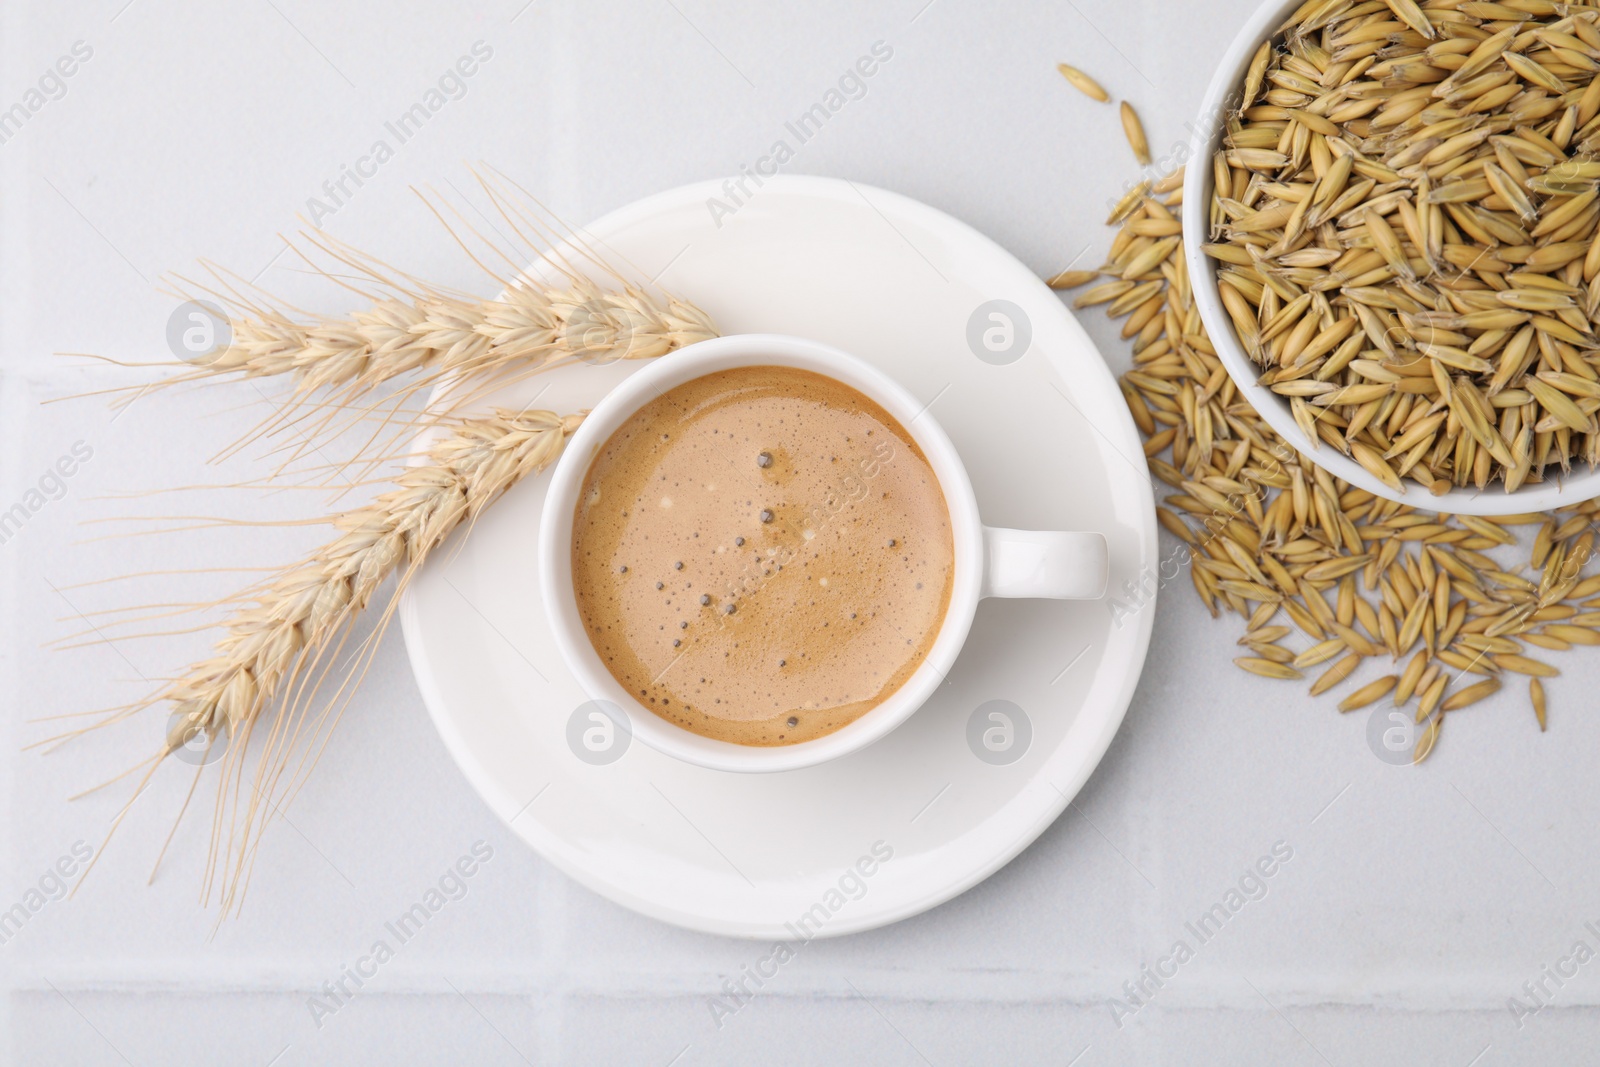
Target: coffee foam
{"x": 785, "y": 531}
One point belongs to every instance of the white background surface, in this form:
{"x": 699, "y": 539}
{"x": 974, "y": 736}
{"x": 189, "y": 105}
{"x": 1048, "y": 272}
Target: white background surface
{"x": 1416, "y": 903}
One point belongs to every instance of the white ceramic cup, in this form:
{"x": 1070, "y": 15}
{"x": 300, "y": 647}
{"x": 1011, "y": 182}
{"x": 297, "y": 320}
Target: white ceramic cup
{"x": 989, "y": 562}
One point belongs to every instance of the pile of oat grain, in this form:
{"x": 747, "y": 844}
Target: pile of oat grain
{"x": 1393, "y": 601}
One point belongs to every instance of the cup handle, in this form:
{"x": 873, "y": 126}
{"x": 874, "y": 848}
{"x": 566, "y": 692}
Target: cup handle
{"x": 1044, "y": 564}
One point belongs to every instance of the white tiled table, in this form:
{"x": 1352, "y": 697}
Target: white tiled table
{"x": 1415, "y": 905}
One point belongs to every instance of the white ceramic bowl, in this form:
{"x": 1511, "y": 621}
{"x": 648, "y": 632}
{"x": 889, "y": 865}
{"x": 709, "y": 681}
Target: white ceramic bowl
{"x": 1221, "y": 99}
{"x": 989, "y": 561}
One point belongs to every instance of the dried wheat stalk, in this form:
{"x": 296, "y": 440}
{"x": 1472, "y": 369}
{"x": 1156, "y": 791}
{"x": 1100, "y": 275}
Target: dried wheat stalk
{"x": 422, "y": 339}
{"x": 412, "y": 338}
{"x": 270, "y": 667}
{"x": 526, "y": 326}
{"x": 276, "y": 651}
{"x": 411, "y": 326}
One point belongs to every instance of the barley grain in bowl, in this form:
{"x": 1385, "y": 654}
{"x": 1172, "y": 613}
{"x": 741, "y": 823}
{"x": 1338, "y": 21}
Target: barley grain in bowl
{"x": 1394, "y": 236}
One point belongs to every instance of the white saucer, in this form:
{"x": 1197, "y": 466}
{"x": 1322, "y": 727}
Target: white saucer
{"x": 1049, "y": 445}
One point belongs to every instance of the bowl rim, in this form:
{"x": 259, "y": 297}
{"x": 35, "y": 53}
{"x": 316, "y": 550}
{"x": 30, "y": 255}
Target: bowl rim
{"x": 1218, "y": 103}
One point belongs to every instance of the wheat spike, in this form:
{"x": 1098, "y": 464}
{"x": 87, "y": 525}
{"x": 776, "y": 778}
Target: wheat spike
{"x": 268, "y": 668}
{"x": 526, "y": 326}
